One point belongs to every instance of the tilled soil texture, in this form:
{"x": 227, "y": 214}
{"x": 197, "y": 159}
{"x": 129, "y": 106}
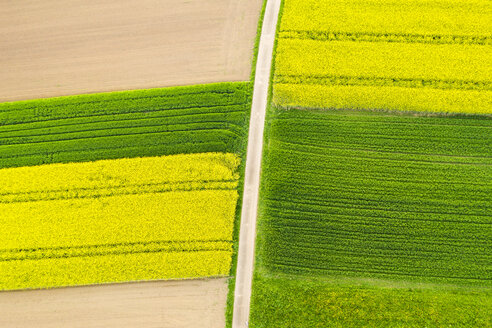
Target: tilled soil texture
{"x": 163, "y": 304}
{"x": 54, "y": 48}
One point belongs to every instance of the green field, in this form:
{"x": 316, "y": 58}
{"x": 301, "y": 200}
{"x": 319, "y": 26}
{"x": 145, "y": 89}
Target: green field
{"x": 378, "y": 195}
{"x": 372, "y": 195}
{"x": 291, "y": 301}
{"x": 194, "y": 119}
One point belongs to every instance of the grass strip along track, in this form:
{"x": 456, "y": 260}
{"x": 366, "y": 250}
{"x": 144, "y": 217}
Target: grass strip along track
{"x": 195, "y": 119}
{"x": 117, "y": 220}
{"x": 418, "y": 55}
{"x": 370, "y": 195}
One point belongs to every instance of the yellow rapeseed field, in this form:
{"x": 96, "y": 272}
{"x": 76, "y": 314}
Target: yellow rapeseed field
{"x": 415, "y": 55}
{"x": 436, "y": 17}
{"x": 384, "y": 59}
{"x": 64, "y": 271}
{"x": 191, "y": 215}
{"x": 120, "y": 173}
{"x": 389, "y": 97}
{"x": 154, "y": 216}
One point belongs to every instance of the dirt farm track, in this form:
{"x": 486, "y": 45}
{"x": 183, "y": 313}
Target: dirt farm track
{"x": 53, "y": 48}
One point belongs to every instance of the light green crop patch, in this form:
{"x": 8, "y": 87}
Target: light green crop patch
{"x": 413, "y": 56}
{"x": 288, "y": 301}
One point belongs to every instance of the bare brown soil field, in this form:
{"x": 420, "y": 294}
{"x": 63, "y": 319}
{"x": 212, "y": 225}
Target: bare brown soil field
{"x": 53, "y": 47}
{"x": 163, "y": 304}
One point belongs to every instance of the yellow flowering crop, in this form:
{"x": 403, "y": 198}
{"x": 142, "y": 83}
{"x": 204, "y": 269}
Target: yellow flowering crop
{"x": 162, "y": 212}
{"x": 191, "y": 215}
{"x": 385, "y": 59}
{"x": 120, "y": 173}
{"x": 413, "y": 55}
{"x": 391, "y": 98}
{"x": 436, "y": 17}
{"x": 64, "y": 271}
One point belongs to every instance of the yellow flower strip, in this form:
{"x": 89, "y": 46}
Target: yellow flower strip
{"x": 424, "y": 17}
{"x": 54, "y": 272}
{"x": 120, "y": 173}
{"x": 385, "y": 98}
{"x": 191, "y": 215}
{"x": 392, "y": 60}
{"x": 378, "y": 75}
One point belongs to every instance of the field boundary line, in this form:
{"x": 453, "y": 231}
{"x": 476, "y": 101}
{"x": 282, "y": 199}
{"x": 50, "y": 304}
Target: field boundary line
{"x": 385, "y": 37}
{"x": 247, "y": 232}
{"x": 114, "y": 249}
{"x": 382, "y": 81}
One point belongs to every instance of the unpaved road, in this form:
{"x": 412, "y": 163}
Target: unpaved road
{"x": 247, "y": 235}
{"x": 163, "y": 304}
{"x": 57, "y": 47}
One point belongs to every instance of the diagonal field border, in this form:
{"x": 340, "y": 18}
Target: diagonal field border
{"x": 247, "y": 234}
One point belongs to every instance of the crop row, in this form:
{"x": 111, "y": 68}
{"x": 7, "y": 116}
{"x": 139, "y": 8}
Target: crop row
{"x": 123, "y": 210}
{"x": 115, "y": 249}
{"x": 334, "y": 80}
{"x": 194, "y": 119}
{"x": 380, "y": 195}
{"x": 117, "y": 191}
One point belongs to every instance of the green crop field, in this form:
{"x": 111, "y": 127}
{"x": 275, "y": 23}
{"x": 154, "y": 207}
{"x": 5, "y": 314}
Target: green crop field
{"x": 374, "y": 195}
{"x": 195, "y": 119}
{"x": 414, "y": 55}
{"x": 378, "y": 195}
{"x": 376, "y": 191}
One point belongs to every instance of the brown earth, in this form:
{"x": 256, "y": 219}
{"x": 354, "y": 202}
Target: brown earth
{"x": 163, "y": 304}
{"x": 54, "y": 47}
